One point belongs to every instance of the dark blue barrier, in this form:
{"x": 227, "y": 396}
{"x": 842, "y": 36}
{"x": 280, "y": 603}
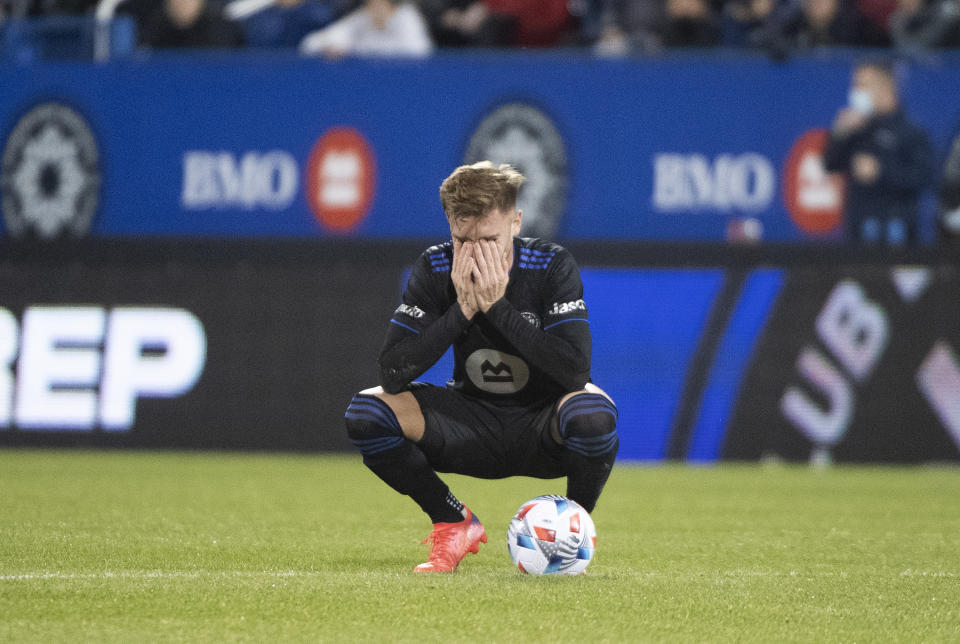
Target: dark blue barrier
{"x": 64, "y": 38}
{"x": 673, "y": 148}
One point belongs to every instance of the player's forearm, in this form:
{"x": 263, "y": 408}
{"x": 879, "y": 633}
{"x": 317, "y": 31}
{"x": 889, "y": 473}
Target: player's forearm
{"x": 566, "y": 361}
{"x": 407, "y": 354}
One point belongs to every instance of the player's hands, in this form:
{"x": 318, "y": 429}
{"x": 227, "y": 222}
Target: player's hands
{"x": 491, "y": 275}
{"x": 461, "y": 273}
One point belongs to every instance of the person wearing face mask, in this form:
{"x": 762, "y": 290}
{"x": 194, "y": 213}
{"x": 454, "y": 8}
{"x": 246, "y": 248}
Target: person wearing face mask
{"x": 948, "y": 217}
{"x": 886, "y": 160}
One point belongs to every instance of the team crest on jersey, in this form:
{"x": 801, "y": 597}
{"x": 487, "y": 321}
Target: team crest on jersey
{"x": 531, "y": 317}
{"x": 497, "y": 372}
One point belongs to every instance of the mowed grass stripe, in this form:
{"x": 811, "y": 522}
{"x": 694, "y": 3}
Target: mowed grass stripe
{"x": 119, "y": 546}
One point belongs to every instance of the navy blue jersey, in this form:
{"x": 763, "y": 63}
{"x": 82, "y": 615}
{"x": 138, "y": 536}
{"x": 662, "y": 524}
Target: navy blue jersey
{"x": 532, "y": 346}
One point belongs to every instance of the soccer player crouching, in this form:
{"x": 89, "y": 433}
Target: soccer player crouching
{"x": 520, "y": 403}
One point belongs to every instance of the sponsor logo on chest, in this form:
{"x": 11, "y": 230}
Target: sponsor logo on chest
{"x": 497, "y": 372}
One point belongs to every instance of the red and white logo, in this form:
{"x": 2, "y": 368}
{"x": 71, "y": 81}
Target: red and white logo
{"x": 814, "y": 198}
{"x": 341, "y": 179}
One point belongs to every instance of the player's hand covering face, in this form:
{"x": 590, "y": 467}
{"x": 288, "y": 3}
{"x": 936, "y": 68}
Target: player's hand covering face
{"x": 482, "y": 256}
{"x": 462, "y": 275}
{"x": 491, "y": 273}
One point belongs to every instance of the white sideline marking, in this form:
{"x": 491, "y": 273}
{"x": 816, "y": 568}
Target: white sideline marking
{"x": 278, "y": 574}
{"x": 155, "y": 574}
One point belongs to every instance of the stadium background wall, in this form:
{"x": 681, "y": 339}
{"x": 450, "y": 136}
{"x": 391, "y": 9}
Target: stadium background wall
{"x": 712, "y": 352}
{"x": 253, "y": 145}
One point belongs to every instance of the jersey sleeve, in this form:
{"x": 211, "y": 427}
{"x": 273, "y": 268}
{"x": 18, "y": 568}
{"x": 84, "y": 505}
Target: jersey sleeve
{"x": 836, "y": 155}
{"x": 564, "y": 297}
{"x": 910, "y": 166}
{"x": 422, "y": 327}
{"x": 561, "y": 348}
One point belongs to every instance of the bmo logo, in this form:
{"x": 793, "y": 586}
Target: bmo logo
{"x": 728, "y": 182}
{"x": 82, "y": 367}
{"x": 340, "y": 179}
{"x": 255, "y": 180}
{"x": 813, "y": 197}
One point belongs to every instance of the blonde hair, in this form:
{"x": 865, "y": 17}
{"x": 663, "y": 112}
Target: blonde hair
{"x": 475, "y": 190}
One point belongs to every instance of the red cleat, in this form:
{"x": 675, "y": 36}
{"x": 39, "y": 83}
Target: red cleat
{"x": 452, "y": 542}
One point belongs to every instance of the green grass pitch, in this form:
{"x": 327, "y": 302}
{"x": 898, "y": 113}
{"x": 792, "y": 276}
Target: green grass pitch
{"x": 143, "y": 546}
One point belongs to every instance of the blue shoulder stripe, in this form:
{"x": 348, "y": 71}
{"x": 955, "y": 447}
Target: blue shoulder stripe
{"x": 533, "y": 259}
{"x": 534, "y": 251}
{"x": 440, "y": 261}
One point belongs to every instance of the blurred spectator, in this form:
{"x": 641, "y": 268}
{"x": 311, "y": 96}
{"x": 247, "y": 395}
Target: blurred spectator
{"x": 619, "y": 27}
{"x": 830, "y": 22}
{"x": 537, "y": 23}
{"x": 690, "y": 23}
{"x": 920, "y": 25}
{"x": 378, "y": 28}
{"x": 877, "y": 15}
{"x": 189, "y": 24}
{"x": 518, "y": 23}
{"x": 949, "y": 217}
{"x": 826, "y": 23}
{"x": 285, "y": 23}
{"x": 743, "y": 19}
{"x": 467, "y": 23}
{"x": 142, "y": 12}
{"x": 33, "y": 8}
{"x": 69, "y": 6}
{"x": 887, "y": 160}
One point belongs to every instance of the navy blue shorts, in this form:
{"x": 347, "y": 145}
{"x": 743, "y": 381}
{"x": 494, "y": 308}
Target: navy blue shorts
{"x": 467, "y": 435}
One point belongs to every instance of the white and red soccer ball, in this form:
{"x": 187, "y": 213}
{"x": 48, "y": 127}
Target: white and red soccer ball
{"x": 551, "y": 535}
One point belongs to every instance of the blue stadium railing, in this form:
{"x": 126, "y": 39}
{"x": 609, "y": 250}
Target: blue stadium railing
{"x": 60, "y": 38}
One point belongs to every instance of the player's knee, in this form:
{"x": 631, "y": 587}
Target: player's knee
{"x": 587, "y": 423}
{"x": 371, "y": 425}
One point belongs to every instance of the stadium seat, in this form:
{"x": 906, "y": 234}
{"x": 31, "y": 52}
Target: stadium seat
{"x": 62, "y": 38}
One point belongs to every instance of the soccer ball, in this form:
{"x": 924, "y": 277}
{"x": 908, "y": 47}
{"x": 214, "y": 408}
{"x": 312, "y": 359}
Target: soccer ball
{"x": 551, "y": 535}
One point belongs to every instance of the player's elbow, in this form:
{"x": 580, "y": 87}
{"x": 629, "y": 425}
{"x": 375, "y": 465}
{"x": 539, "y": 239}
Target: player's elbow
{"x": 392, "y": 386}
{"x": 577, "y": 374}
{"x": 391, "y": 378}
{"x": 576, "y": 383}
